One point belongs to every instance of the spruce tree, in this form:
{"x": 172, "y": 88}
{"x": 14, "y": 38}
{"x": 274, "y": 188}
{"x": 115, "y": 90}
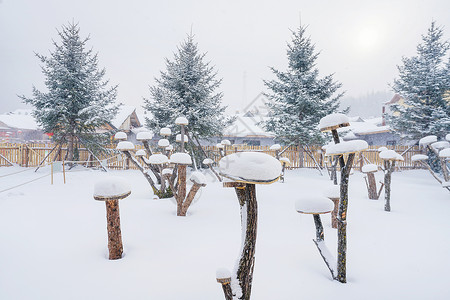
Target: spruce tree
{"x": 187, "y": 88}
{"x": 299, "y": 97}
{"x": 77, "y": 100}
{"x": 423, "y": 81}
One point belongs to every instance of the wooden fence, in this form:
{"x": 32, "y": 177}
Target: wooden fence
{"x": 31, "y": 155}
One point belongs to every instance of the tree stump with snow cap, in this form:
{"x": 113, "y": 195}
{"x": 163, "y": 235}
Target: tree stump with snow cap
{"x": 111, "y": 190}
{"x": 243, "y": 171}
{"x": 370, "y": 170}
{"x": 333, "y": 193}
{"x": 389, "y": 157}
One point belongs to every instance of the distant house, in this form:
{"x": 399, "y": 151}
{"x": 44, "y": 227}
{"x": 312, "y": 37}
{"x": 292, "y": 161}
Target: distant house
{"x": 370, "y": 130}
{"x": 20, "y": 126}
{"x": 126, "y": 120}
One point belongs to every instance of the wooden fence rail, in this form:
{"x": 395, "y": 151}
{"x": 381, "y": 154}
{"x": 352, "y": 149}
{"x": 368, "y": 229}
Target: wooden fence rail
{"x": 31, "y": 155}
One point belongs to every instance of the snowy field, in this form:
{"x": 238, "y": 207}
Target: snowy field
{"x": 54, "y": 241}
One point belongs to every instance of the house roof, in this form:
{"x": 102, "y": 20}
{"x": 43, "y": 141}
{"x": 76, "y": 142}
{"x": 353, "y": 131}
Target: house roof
{"x": 19, "y": 119}
{"x": 364, "y": 127}
{"x": 394, "y": 99}
{"x": 124, "y": 112}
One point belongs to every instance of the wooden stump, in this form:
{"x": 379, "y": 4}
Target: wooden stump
{"x": 181, "y": 192}
{"x": 390, "y": 165}
{"x": 334, "y": 213}
{"x": 113, "y": 226}
{"x": 225, "y": 282}
{"x": 372, "y": 186}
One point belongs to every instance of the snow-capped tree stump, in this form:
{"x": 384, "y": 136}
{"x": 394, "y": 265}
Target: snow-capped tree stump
{"x": 389, "y": 157}
{"x": 284, "y": 163}
{"x": 209, "y": 162}
{"x": 182, "y": 121}
{"x": 276, "y": 148}
{"x": 317, "y": 205}
{"x": 247, "y": 169}
{"x": 333, "y": 193}
{"x": 223, "y": 276}
{"x": 111, "y": 190}
{"x": 370, "y": 170}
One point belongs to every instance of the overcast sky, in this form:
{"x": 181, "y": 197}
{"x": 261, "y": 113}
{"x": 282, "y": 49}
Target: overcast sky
{"x": 361, "y": 42}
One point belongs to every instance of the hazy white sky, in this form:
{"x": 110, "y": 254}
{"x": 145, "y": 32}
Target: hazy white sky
{"x": 361, "y": 42}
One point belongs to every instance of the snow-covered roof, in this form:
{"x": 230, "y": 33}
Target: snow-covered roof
{"x": 250, "y": 167}
{"x": 20, "y": 119}
{"x": 246, "y": 127}
{"x": 124, "y": 112}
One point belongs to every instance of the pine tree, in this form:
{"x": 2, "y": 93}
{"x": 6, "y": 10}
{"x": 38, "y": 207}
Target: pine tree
{"x": 299, "y": 98}
{"x": 77, "y": 100}
{"x": 187, "y": 88}
{"x": 423, "y": 81}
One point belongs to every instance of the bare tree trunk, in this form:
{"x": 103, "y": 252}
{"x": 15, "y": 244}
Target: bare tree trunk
{"x": 319, "y": 228}
{"x": 249, "y": 218}
{"x": 342, "y": 220}
{"x": 70, "y": 148}
{"x": 190, "y": 197}
{"x": 113, "y": 226}
{"x": 227, "y": 291}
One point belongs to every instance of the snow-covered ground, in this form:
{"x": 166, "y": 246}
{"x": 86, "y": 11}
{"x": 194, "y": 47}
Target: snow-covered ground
{"x": 54, "y": 241}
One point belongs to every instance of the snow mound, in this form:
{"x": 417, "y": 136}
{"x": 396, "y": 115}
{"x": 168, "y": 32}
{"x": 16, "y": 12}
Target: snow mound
{"x": 275, "y": 147}
{"x": 369, "y": 168}
{"x": 158, "y": 159}
{"x": 125, "y": 146}
{"x": 120, "y": 136}
{"x": 440, "y": 145}
{"x": 208, "y": 161}
{"x": 250, "y": 167}
{"x": 222, "y": 273}
{"x": 141, "y": 152}
{"x": 445, "y": 153}
{"x": 181, "y": 121}
{"x": 333, "y": 120}
{"x": 419, "y": 157}
{"x": 313, "y": 204}
{"x": 198, "y": 177}
{"x": 144, "y": 135}
{"x": 178, "y": 138}
{"x": 111, "y": 187}
{"x": 347, "y": 147}
{"x": 391, "y": 155}
{"x": 333, "y": 191}
{"x": 181, "y": 158}
{"x": 165, "y": 131}
{"x": 427, "y": 140}
{"x": 163, "y": 143}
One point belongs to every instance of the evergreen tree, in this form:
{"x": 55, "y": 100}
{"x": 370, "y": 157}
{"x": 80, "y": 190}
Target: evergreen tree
{"x": 187, "y": 88}
{"x": 423, "y": 81}
{"x": 299, "y": 97}
{"x": 77, "y": 100}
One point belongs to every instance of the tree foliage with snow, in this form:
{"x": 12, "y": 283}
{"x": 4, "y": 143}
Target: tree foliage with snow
{"x": 77, "y": 100}
{"x": 187, "y": 88}
{"x": 299, "y": 97}
{"x": 423, "y": 82}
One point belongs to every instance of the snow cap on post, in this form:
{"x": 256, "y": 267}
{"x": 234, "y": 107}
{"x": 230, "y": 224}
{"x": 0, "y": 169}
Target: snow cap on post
{"x": 391, "y": 155}
{"x": 275, "y": 147}
{"x": 419, "y": 157}
{"x": 181, "y": 158}
{"x": 223, "y": 276}
{"x": 181, "y": 121}
{"x": 144, "y": 136}
{"x": 125, "y": 146}
{"x": 447, "y": 137}
{"x": 369, "y": 168}
{"x": 440, "y": 145}
{"x": 165, "y": 131}
{"x": 111, "y": 188}
{"x": 198, "y": 178}
{"x": 120, "y": 136}
{"x": 169, "y": 148}
{"x": 346, "y": 147}
{"x": 332, "y": 192}
{"x": 226, "y": 142}
{"x": 250, "y": 167}
{"x": 425, "y": 141}
{"x": 220, "y": 145}
{"x": 314, "y": 205}
{"x": 333, "y": 121}
{"x": 382, "y": 149}
{"x": 208, "y": 161}
{"x": 445, "y": 153}
{"x": 158, "y": 159}
{"x": 163, "y": 143}
{"x": 285, "y": 161}
{"x": 141, "y": 152}
{"x": 178, "y": 138}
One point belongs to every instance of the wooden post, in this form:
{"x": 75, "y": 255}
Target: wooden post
{"x": 319, "y": 228}
{"x": 113, "y": 226}
{"x": 181, "y": 192}
{"x": 225, "y": 282}
{"x": 390, "y": 165}
{"x": 334, "y": 213}
{"x": 372, "y": 186}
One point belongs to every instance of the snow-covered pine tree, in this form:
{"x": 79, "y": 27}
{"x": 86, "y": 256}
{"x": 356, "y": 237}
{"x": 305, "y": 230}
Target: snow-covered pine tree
{"x": 187, "y": 88}
{"x": 423, "y": 81}
{"x": 77, "y": 100}
{"x": 299, "y": 98}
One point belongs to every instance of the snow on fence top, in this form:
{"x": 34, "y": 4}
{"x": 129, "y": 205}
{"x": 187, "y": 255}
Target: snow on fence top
{"x": 141, "y": 152}
{"x": 181, "y": 158}
{"x": 391, "y": 155}
{"x": 120, "y": 136}
{"x": 125, "y": 146}
{"x": 198, "y": 178}
{"x": 144, "y": 135}
{"x": 158, "y": 159}
{"x": 111, "y": 187}
{"x": 333, "y": 191}
{"x": 275, "y": 147}
{"x": 165, "y": 131}
{"x": 419, "y": 157}
{"x": 163, "y": 143}
{"x": 440, "y": 145}
{"x": 445, "y": 153}
{"x": 347, "y": 147}
{"x": 178, "y": 138}
{"x": 181, "y": 121}
{"x": 314, "y": 205}
{"x": 333, "y": 121}
{"x": 427, "y": 140}
{"x": 369, "y": 168}
{"x": 250, "y": 167}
